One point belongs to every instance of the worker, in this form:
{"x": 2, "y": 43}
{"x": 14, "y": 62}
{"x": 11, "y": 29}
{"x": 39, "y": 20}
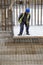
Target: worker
{"x": 24, "y": 19}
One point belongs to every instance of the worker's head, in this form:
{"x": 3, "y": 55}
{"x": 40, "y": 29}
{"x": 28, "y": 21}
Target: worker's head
{"x": 27, "y": 10}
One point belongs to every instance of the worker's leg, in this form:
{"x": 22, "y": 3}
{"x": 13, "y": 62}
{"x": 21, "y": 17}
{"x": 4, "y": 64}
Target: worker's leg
{"x": 21, "y": 28}
{"x": 27, "y": 29}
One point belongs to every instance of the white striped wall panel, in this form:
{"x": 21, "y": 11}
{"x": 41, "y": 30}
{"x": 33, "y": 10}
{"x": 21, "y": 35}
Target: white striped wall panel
{"x": 36, "y": 13}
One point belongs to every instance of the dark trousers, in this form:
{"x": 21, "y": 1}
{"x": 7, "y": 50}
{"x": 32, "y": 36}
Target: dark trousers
{"x": 22, "y": 27}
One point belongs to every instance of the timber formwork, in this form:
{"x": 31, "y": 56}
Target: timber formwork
{"x": 6, "y": 20}
{"x": 18, "y": 50}
{"x": 22, "y": 52}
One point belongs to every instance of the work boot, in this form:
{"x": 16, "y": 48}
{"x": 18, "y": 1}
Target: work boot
{"x": 19, "y": 34}
{"x": 27, "y": 34}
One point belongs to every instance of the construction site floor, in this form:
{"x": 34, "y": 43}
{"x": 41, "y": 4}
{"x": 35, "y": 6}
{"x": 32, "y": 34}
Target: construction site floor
{"x": 22, "y": 52}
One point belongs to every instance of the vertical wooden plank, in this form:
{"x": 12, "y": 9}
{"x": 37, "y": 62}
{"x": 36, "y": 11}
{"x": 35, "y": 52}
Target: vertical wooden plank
{"x": 3, "y": 19}
{"x": 27, "y": 4}
{"x": 38, "y": 13}
{"x": 15, "y": 15}
{"x": 32, "y": 13}
{"x": 23, "y": 8}
{"x": 0, "y": 16}
{"x": 7, "y": 20}
{"x": 41, "y": 12}
{"x": 0, "y": 19}
{"x": 5, "y": 13}
{"x": 0, "y": 3}
{"x": 18, "y": 14}
{"x": 10, "y": 20}
{"x": 6, "y": 2}
{"x": 42, "y": 9}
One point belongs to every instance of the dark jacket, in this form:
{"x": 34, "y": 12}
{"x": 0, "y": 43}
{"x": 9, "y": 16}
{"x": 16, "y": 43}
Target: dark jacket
{"x": 24, "y": 18}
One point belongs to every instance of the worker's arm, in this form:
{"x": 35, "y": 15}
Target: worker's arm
{"x": 29, "y": 18}
{"x": 20, "y": 16}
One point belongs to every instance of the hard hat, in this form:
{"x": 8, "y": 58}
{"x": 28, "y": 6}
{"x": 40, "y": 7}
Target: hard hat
{"x": 27, "y": 10}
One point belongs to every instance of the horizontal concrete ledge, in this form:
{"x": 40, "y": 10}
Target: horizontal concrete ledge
{"x": 28, "y": 39}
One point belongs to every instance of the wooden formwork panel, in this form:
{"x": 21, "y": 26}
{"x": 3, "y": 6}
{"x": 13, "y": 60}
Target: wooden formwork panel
{"x": 4, "y": 4}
